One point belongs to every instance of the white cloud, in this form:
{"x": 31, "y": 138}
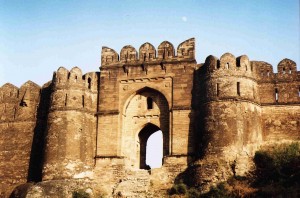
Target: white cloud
{"x": 184, "y": 18}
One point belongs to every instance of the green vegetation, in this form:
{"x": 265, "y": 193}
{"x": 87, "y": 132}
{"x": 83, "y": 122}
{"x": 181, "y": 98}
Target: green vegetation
{"x": 276, "y": 174}
{"x": 80, "y": 194}
{"x": 277, "y": 171}
{"x": 179, "y": 189}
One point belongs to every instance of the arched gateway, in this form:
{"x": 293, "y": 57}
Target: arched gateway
{"x": 145, "y": 112}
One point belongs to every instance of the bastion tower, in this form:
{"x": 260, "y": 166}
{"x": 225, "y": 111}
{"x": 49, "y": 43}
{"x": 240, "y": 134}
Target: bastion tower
{"x": 229, "y": 113}
{"x": 70, "y": 143}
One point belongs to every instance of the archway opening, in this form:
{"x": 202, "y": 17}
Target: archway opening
{"x": 154, "y": 150}
{"x": 151, "y": 149}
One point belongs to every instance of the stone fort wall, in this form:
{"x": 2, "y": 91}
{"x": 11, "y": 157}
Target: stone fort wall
{"x": 95, "y": 126}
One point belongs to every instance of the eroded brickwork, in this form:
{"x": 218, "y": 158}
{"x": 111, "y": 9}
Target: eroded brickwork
{"x": 90, "y": 131}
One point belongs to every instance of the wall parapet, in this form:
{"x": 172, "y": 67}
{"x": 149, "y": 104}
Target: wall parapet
{"x": 147, "y": 53}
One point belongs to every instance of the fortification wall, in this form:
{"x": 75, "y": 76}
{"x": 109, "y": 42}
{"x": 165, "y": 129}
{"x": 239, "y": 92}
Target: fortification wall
{"x": 71, "y": 132}
{"x": 18, "y": 107}
{"x": 94, "y": 127}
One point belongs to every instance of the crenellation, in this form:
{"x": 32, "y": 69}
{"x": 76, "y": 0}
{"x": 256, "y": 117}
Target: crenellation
{"x": 128, "y": 54}
{"x": 147, "y": 52}
{"x": 286, "y": 66}
{"x": 166, "y": 51}
{"x": 75, "y": 76}
{"x": 228, "y": 61}
{"x": 186, "y": 49}
{"x": 109, "y": 56}
{"x": 92, "y": 129}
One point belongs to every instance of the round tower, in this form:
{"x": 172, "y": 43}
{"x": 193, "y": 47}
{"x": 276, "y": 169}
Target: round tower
{"x": 229, "y": 113}
{"x": 71, "y": 131}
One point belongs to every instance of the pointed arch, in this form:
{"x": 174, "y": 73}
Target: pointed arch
{"x": 139, "y": 122}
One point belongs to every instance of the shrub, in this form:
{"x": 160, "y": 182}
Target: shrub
{"x": 80, "y": 194}
{"x": 193, "y": 193}
{"x": 280, "y": 163}
{"x": 173, "y": 190}
{"x": 277, "y": 170}
{"x": 220, "y": 191}
{"x": 179, "y": 189}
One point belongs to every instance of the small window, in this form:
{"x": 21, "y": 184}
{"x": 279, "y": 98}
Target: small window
{"x": 276, "y": 95}
{"x": 149, "y": 103}
{"x": 283, "y": 70}
{"x": 66, "y": 98}
{"x": 268, "y": 73}
{"x": 82, "y": 100}
{"x": 238, "y": 88}
{"x": 227, "y": 66}
{"x": 89, "y": 83}
{"x": 299, "y": 92}
{"x": 290, "y": 71}
{"x": 75, "y": 78}
{"x": 217, "y": 89}
{"x": 69, "y": 75}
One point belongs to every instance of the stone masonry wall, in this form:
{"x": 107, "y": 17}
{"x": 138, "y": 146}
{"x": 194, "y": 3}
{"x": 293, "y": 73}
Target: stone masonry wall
{"x": 71, "y": 132}
{"x": 18, "y": 117}
{"x": 92, "y": 129}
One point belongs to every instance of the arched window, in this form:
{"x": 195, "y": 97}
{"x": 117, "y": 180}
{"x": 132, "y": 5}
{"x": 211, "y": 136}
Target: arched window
{"x": 283, "y": 70}
{"x": 227, "y": 66}
{"x": 149, "y": 103}
{"x": 276, "y": 95}
{"x": 89, "y": 83}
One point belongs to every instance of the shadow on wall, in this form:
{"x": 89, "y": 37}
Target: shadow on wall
{"x": 37, "y": 148}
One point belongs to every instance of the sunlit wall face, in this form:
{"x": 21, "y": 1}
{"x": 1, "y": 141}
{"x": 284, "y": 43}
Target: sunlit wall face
{"x": 154, "y": 151}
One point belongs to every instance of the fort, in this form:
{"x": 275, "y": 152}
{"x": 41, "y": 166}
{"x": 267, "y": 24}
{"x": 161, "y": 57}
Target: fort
{"x": 90, "y": 131}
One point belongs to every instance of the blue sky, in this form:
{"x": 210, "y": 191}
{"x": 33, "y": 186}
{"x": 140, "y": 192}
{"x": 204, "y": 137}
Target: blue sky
{"x": 37, "y": 37}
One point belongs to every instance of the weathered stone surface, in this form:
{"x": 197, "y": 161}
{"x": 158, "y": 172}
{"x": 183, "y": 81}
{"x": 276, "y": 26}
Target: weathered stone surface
{"x": 90, "y": 131}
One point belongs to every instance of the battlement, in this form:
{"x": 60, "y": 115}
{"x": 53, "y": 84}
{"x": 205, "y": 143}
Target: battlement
{"x": 16, "y": 103}
{"x": 262, "y": 71}
{"x": 148, "y": 53}
{"x": 74, "y": 78}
